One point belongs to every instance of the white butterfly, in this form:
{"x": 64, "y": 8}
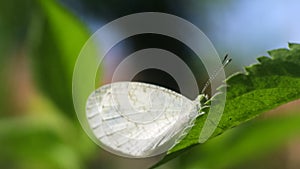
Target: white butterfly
{"x": 138, "y": 120}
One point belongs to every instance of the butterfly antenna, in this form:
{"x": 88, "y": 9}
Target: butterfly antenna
{"x": 225, "y": 62}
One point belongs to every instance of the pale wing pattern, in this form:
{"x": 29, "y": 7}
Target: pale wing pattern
{"x": 138, "y": 120}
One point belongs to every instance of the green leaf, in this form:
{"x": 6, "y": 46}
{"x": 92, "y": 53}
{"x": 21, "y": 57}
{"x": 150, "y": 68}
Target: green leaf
{"x": 59, "y": 41}
{"x": 250, "y": 141}
{"x": 272, "y": 82}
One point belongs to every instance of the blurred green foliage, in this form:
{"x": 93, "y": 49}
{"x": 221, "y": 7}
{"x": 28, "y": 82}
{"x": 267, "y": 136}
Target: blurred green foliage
{"x": 46, "y": 134}
{"x": 248, "y": 142}
{"x": 13, "y": 27}
{"x": 61, "y": 38}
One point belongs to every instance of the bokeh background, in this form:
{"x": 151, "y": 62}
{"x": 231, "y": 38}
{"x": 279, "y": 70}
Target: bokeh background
{"x": 41, "y": 39}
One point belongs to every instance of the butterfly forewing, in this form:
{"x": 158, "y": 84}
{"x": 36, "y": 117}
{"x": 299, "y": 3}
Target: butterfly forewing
{"x": 136, "y": 119}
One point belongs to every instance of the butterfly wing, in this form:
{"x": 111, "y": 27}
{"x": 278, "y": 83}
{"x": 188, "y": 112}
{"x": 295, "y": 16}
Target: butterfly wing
{"x": 136, "y": 119}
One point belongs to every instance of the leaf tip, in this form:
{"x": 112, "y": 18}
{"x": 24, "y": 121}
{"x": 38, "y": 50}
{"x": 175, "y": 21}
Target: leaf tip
{"x": 264, "y": 59}
{"x": 293, "y": 45}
